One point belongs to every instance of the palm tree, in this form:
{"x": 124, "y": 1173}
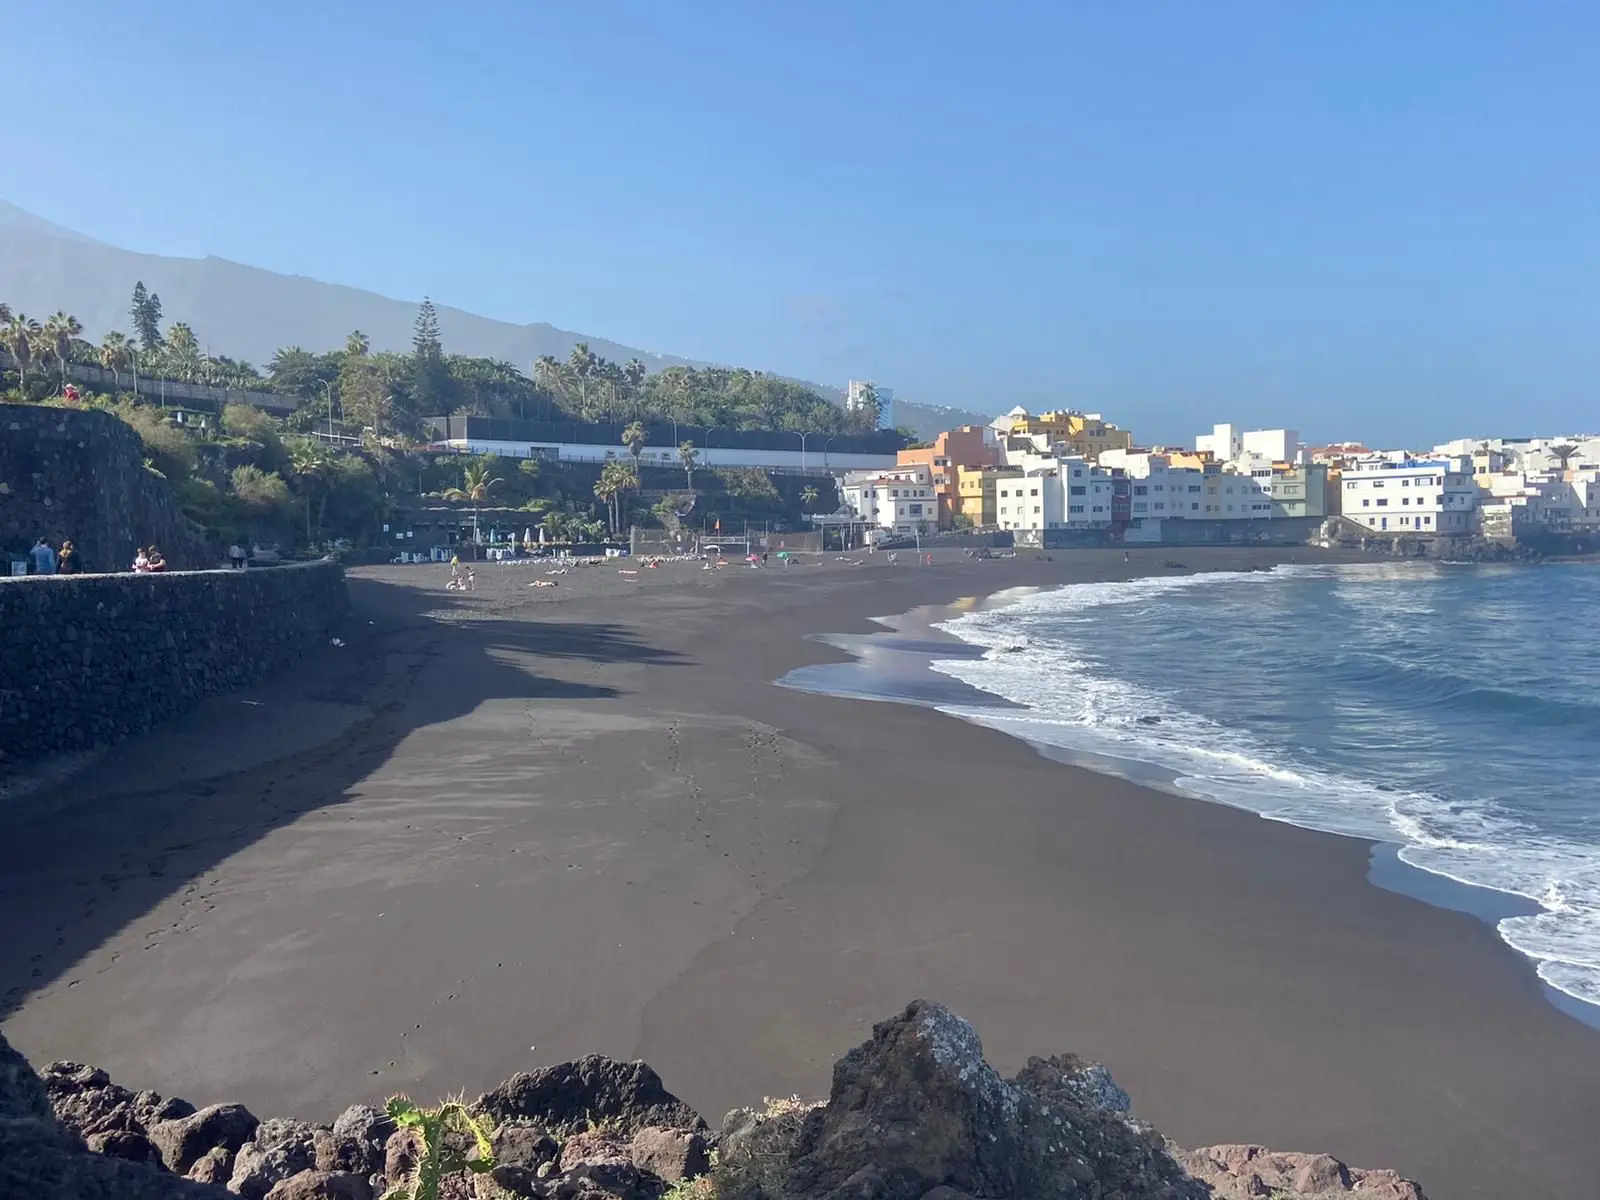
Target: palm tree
{"x": 808, "y": 497}
{"x": 183, "y": 351}
{"x": 115, "y": 354}
{"x": 615, "y": 479}
{"x": 310, "y": 463}
{"x": 688, "y": 456}
{"x": 1564, "y": 452}
{"x": 22, "y": 334}
{"x": 357, "y": 344}
{"x": 633, "y": 437}
{"x": 56, "y": 340}
{"x": 581, "y": 365}
{"x": 476, "y": 483}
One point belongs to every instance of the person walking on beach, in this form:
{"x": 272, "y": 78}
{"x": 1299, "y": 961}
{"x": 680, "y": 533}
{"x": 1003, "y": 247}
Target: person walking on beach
{"x": 44, "y": 558}
{"x": 455, "y": 566}
{"x": 68, "y": 562}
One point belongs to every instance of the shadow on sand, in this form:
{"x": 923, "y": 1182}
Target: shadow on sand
{"x": 152, "y": 817}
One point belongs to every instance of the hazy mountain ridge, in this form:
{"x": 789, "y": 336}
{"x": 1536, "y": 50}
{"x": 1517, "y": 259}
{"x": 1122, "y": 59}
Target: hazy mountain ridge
{"x": 249, "y": 313}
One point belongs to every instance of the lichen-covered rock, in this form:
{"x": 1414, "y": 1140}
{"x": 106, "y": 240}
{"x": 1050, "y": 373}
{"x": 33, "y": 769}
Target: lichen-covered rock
{"x": 916, "y": 1108}
{"x": 184, "y": 1140}
{"x": 322, "y": 1185}
{"x": 624, "y": 1097}
{"x": 277, "y": 1150}
{"x": 1245, "y": 1172}
{"x": 670, "y": 1154}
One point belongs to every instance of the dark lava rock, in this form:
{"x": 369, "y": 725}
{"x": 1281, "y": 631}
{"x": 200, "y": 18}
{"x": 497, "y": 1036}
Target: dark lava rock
{"x": 214, "y": 1166}
{"x": 124, "y": 1143}
{"x": 624, "y": 1097}
{"x": 520, "y": 1150}
{"x": 322, "y": 1185}
{"x": 333, "y": 1151}
{"x": 400, "y": 1155}
{"x": 277, "y": 1150}
{"x": 22, "y": 1094}
{"x": 365, "y": 1122}
{"x": 670, "y": 1154}
{"x": 183, "y": 1141}
{"x": 917, "y": 1108}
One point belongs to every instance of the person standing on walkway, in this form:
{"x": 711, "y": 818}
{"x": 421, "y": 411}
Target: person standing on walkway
{"x": 44, "y": 558}
{"x": 68, "y": 563}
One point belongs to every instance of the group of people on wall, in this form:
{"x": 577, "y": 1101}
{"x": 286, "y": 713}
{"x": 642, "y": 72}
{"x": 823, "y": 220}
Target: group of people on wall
{"x": 45, "y": 559}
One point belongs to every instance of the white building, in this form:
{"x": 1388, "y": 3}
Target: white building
{"x": 1228, "y": 442}
{"x": 852, "y": 400}
{"x": 899, "y": 501}
{"x": 1407, "y": 495}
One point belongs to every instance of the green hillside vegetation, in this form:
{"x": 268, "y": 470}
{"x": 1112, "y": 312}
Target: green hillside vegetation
{"x": 391, "y": 393}
{"x": 253, "y": 476}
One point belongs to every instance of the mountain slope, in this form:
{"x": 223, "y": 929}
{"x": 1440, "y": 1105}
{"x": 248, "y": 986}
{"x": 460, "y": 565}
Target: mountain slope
{"x": 249, "y": 313}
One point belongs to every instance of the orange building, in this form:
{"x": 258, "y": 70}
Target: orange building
{"x": 954, "y": 448}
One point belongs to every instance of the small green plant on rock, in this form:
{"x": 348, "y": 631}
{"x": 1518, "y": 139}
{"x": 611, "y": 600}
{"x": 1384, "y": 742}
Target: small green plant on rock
{"x": 440, "y": 1153}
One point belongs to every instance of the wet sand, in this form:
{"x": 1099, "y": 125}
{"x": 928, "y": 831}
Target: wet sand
{"x": 506, "y": 828}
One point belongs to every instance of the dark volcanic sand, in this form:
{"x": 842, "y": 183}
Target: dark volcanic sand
{"x": 540, "y": 822}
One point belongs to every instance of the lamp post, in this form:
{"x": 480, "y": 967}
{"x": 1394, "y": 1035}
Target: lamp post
{"x": 328, "y": 389}
{"x": 825, "y": 446}
{"x": 802, "y": 437}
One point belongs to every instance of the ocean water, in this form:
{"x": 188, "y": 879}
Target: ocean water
{"x": 1453, "y": 711}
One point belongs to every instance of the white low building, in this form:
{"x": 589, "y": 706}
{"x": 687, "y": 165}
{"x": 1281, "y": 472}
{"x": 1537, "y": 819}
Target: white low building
{"x": 1407, "y": 495}
{"x": 899, "y": 501}
{"x": 1228, "y": 442}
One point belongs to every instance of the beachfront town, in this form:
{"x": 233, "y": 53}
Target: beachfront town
{"x": 1065, "y": 477}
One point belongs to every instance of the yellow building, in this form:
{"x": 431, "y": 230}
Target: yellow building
{"x": 1088, "y": 434}
{"x": 975, "y": 492}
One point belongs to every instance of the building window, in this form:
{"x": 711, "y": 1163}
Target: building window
{"x": 1383, "y": 504}
{"x": 1076, "y": 508}
{"x": 1140, "y": 489}
{"x": 1077, "y": 490}
{"x": 1033, "y": 491}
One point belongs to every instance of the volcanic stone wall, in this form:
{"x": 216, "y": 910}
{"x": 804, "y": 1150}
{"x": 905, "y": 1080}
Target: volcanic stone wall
{"x": 79, "y": 474}
{"x": 89, "y": 659}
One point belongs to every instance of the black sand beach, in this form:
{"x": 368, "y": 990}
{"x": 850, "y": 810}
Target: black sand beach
{"x": 507, "y": 828}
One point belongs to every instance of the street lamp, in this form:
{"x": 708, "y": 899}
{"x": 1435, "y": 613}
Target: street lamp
{"x": 803, "y": 437}
{"x": 328, "y": 389}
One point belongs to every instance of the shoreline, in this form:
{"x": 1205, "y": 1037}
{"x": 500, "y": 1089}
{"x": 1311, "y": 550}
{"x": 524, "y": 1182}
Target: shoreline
{"x": 919, "y": 635}
{"x": 574, "y": 820}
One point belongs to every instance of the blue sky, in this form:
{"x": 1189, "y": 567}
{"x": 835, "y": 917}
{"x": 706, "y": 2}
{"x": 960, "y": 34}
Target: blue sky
{"x": 1362, "y": 219}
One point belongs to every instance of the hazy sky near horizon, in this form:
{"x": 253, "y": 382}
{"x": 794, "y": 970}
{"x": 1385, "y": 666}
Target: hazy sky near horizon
{"x": 1357, "y": 218}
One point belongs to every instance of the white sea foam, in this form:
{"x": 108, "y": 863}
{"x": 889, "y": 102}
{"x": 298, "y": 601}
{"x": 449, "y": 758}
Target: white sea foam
{"x": 1068, "y": 701}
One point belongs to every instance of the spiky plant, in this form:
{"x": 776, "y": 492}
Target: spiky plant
{"x": 438, "y": 1157}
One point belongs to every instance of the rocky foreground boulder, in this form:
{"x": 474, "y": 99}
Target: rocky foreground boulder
{"x": 914, "y": 1113}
